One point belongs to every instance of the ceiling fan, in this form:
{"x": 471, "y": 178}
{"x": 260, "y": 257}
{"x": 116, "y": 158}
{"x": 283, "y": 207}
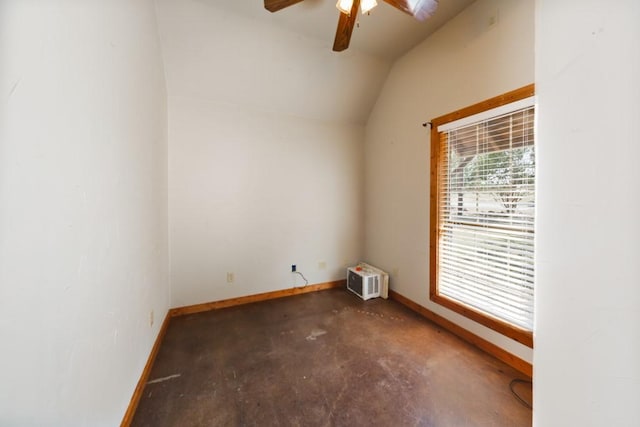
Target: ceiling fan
{"x": 419, "y": 9}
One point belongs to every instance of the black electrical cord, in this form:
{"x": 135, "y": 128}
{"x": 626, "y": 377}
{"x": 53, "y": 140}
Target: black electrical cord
{"x": 306, "y": 282}
{"x": 516, "y": 395}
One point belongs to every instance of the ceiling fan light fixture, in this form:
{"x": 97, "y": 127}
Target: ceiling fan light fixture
{"x": 367, "y": 5}
{"x": 345, "y": 6}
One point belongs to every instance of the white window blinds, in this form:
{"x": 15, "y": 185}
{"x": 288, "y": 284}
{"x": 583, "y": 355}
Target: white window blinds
{"x": 486, "y": 214}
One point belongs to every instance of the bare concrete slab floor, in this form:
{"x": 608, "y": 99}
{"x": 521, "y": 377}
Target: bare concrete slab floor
{"x": 324, "y": 359}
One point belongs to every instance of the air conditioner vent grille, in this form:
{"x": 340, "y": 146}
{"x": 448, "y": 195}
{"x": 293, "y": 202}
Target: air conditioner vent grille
{"x": 363, "y": 282}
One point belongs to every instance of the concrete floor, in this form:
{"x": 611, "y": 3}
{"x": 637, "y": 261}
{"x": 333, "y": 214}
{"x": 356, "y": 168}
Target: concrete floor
{"x": 324, "y": 359}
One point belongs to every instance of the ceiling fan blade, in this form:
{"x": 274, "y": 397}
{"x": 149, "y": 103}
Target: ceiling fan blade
{"x": 276, "y": 5}
{"x": 345, "y": 28}
{"x": 420, "y": 9}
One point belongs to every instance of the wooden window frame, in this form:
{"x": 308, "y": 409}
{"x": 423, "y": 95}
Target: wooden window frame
{"x": 518, "y": 334}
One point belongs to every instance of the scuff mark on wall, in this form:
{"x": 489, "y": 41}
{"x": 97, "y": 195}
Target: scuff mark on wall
{"x": 13, "y": 88}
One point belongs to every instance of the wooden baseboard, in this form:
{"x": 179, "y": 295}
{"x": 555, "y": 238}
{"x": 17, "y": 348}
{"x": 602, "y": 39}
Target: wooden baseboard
{"x": 137, "y": 394}
{"x": 215, "y": 305}
{"x": 515, "y": 362}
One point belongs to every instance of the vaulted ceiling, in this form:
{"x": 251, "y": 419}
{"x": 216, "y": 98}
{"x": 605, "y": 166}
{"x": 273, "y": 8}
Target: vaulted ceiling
{"x": 385, "y": 32}
{"x": 237, "y": 53}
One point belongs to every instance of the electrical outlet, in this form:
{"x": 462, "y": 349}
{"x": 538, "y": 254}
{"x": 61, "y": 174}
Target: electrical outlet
{"x": 293, "y": 268}
{"x": 151, "y": 318}
{"x": 230, "y": 277}
{"x": 322, "y": 265}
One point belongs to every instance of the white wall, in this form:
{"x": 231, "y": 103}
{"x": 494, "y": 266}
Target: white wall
{"x": 254, "y": 192}
{"x": 266, "y": 131}
{"x": 587, "y": 355}
{"x": 83, "y": 246}
{"x": 464, "y": 62}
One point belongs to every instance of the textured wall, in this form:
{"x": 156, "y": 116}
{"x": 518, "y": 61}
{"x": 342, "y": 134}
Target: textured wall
{"x": 588, "y": 289}
{"x": 83, "y": 207}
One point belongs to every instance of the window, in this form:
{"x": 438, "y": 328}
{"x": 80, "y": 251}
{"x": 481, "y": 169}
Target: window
{"x": 482, "y": 212}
